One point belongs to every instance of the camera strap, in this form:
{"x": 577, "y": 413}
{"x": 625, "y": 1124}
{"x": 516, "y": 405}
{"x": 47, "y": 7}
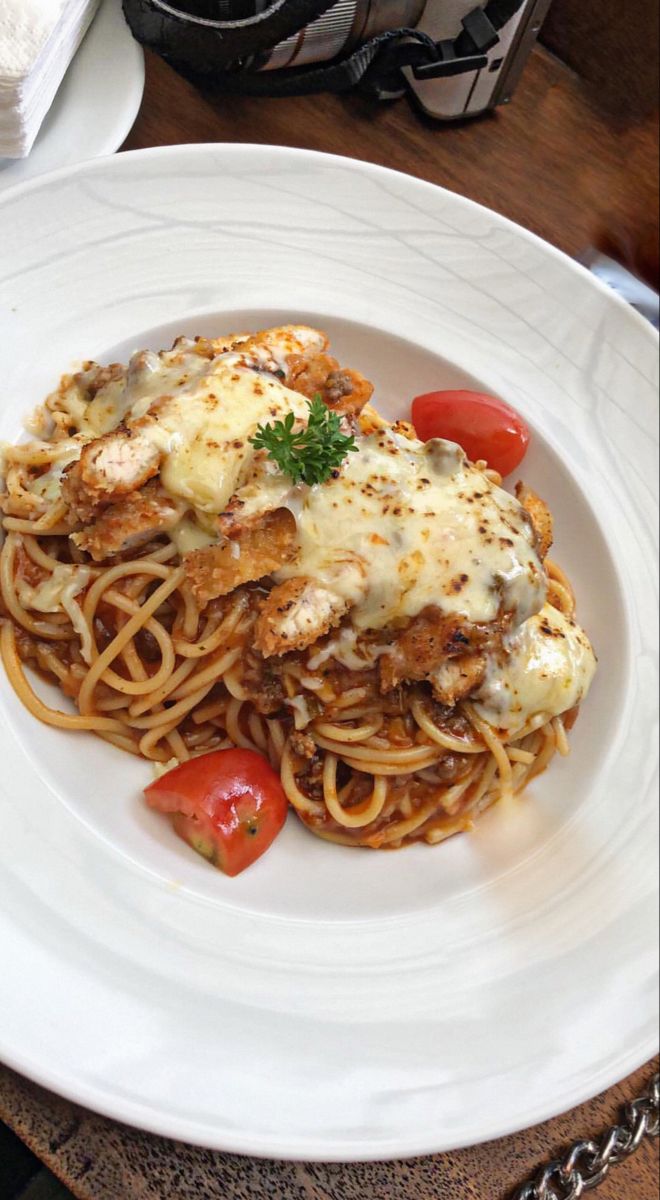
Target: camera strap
{"x": 228, "y": 53}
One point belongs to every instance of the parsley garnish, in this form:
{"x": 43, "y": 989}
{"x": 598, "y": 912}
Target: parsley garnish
{"x": 308, "y": 455}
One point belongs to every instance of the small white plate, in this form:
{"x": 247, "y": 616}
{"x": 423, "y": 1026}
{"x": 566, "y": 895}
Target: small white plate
{"x": 333, "y": 1003}
{"x": 96, "y": 104}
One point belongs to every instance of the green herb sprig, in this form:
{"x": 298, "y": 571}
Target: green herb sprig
{"x": 308, "y": 455}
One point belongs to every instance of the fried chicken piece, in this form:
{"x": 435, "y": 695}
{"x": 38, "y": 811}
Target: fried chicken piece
{"x": 222, "y": 345}
{"x": 342, "y": 389}
{"x": 540, "y": 516}
{"x": 273, "y": 351}
{"x": 260, "y": 548}
{"x": 296, "y": 614}
{"x": 430, "y": 640}
{"x": 130, "y": 522}
{"x": 204, "y": 347}
{"x": 109, "y": 467}
{"x": 457, "y": 677}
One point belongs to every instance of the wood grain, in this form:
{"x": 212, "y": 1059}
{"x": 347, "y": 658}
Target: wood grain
{"x": 614, "y": 47}
{"x": 103, "y": 1160}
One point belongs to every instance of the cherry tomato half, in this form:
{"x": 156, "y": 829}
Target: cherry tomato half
{"x": 228, "y": 805}
{"x": 483, "y": 425}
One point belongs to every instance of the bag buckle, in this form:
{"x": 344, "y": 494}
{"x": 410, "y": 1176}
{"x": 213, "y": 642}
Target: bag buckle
{"x": 448, "y": 63}
{"x": 483, "y": 36}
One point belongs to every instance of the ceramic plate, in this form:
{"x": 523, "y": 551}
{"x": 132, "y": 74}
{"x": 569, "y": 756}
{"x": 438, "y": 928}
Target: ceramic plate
{"x": 332, "y": 1003}
{"x": 96, "y": 104}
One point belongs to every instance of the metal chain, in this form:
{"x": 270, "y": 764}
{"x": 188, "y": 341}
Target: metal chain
{"x": 588, "y": 1164}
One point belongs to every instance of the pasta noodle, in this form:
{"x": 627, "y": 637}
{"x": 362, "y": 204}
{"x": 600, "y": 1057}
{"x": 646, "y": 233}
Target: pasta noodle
{"x": 158, "y": 673}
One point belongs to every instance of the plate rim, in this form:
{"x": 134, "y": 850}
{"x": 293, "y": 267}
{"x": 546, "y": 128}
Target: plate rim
{"x": 176, "y": 1128}
{"x": 321, "y": 156}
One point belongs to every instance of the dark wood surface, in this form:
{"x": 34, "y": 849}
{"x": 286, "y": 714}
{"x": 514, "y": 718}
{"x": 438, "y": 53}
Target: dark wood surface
{"x": 614, "y": 47}
{"x": 559, "y": 163}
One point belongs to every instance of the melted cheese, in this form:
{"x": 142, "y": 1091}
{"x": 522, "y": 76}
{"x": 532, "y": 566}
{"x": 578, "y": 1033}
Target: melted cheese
{"x": 62, "y": 584}
{"x": 403, "y": 526}
{"x": 185, "y": 367}
{"x": 202, "y": 431}
{"x": 59, "y": 591}
{"x": 547, "y": 670}
{"x": 188, "y": 535}
{"x": 148, "y": 377}
{"x": 49, "y": 485}
{"x": 407, "y": 525}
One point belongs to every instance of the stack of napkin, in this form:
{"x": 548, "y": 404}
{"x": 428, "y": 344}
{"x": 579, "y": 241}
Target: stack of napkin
{"x": 38, "y": 39}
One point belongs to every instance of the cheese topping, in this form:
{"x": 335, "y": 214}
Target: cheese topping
{"x": 188, "y": 535}
{"x": 184, "y": 369}
{"x": 60, "y": 591}
{"x": 407, "y": 525}
{"x": 547, "y": 671}
{"x": 404, "y": 524}
{"x": 401, "y": 526}
{"x": 62, "y": 584}
{"x": 202, "y": 430}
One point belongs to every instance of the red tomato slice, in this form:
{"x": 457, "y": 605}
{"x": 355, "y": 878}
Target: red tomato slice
{"x": 483, "y": 425}
{"x": 228, "y": 805}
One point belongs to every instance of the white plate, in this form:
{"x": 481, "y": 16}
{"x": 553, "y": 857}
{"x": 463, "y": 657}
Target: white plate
{"x": 96, "y": 104}
{"x": 333, "y": 1003}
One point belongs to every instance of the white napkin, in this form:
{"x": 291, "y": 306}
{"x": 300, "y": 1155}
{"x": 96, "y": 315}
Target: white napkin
{"x": 38, "y": 39}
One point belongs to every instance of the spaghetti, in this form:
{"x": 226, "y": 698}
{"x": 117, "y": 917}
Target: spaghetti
{"x": 370, "y": 752}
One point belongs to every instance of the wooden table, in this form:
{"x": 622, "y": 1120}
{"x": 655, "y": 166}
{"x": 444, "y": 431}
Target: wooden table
{"x": 553, "y": 162}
